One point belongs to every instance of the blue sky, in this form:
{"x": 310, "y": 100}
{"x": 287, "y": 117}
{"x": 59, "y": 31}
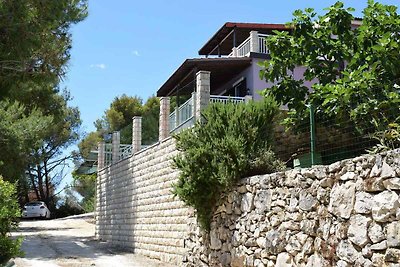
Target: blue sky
{"x": 132, "y": 47}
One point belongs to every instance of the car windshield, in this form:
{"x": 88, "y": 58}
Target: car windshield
{"x": 34, "y": 204}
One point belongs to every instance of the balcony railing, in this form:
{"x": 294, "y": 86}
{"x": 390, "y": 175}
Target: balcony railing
{"x": 182, "y": 115}
{"x": 226, "y": 99}
{"x": 262, "y": 44}
{"x": 244, "y": 49}
{"x": 125, "y": 151}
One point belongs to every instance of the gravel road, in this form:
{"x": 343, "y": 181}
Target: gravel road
{"x": 70, "y": 242}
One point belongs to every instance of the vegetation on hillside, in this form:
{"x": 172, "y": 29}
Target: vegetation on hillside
{"x": 357, "y": 68}
{"x": 231, "y": 142}
{"x": 9, "y": 214}
{"x": 36, "y": 121}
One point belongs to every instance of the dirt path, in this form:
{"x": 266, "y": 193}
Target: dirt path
{"x": 70, "y": 242}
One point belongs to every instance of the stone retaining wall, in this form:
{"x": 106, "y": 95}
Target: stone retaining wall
{"x": 345, "y": 214}
{"x": 136, "y": 209}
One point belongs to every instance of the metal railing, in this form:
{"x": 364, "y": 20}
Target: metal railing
{"x": 125, "y": 151}
{"x": 226, "y": 99}
{"x": 108, "y": 154}
{"x": 182, "y": 114}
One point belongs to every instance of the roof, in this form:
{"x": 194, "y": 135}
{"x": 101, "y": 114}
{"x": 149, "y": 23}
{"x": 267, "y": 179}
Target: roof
{"x": 222, "y": 70}
{"x": 224, "y": 39}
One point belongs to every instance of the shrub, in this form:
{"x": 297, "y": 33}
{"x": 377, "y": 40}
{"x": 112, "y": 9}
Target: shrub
{"x": 9, "y": 214}
{"x": 231, "y": 142}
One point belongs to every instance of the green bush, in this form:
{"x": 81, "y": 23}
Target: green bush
{"x": 232, "y": 141}
{"x": 9, "y": 214}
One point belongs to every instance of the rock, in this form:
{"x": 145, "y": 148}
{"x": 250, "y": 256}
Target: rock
{"x": 384, "y": 206}
{"x": 392, "y": 183}
{"x": 238, "y": 261}
{"x": 392, "y": 255}
{"x": 363, "y": 203}
{"x": 275, "y": 241}
{"x": 378, "y": 259}
{"x": 335, "y": 167}
{"x": 236, "y": 239}
{"x": 250, "y": 242}
{"x": 257, "y": 263}
{"x": 309, "y": 227}
{"x": 317, "y": 260}
{"x": 249, "y": 260}
{"x": 342, "y": 199}
{"x": 342, "y": 263}
{"x": 376, "y": 170}
{"x": 247, "y": 202}
{"x": 345, "y": 251}
{"x": 379, "y": 246}
{"x": 387, "y": 171}
{"x": 341, "y": 230}
{"x": 366, "y": 251}
{"x": 293, "y": 246}
{"x": 293, "y": 204}
{"x": 375, "y": 233}
{"x": 357, "y": 232}
{"x": 306, "y": 201}
{"x": 262, "y": 201}
{"x": 284, "y": 260}
{"x": 326, "y": 182}
{"x": 360, "y": 261}
{"x": 309, "y": 173}
{"x": 261, "y": 242}
{"x": 242, "y": 189}
{"x": 393, "y": 234}
{"x": 215, "y": 242}
{"x": 374, "y": 184}
{"x": 308, "y": 247}
{"x": 225, "y": 259}
{"x": 348, "y": 176}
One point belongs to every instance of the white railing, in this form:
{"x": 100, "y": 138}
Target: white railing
{"x": 262, "y": 44}
{"x": 185, "y": 113}
{"x": 226, "y": 99}
{"x": 125, "y": 151}
{"x": 244, "y": 48}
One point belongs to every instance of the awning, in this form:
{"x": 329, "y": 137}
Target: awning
{"x": 222, "y": 70}
{"x": 224, "y": 36}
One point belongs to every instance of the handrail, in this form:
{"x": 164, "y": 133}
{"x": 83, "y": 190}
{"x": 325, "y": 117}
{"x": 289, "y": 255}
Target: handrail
{"x": 244, "y": 48}
{"x": 226, "y": 99}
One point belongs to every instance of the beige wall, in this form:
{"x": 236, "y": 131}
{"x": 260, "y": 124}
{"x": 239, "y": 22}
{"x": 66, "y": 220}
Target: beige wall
{"x": 136, "y": 209}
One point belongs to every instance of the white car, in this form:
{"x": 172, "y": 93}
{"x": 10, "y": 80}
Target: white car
{"x": 36, "y": 209}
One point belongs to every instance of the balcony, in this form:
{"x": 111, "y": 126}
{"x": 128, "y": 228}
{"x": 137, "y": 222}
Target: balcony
{"x": 255, "y": 43}
{"x": 183, "y": 116}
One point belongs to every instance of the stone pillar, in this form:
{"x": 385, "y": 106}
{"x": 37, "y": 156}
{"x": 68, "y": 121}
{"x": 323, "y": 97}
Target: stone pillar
{"x": 248, "y": 98}
{"x": 254, "y": 45}
{"x": 115, "y": 146}
{"x": 164, "y": 118}
{"x": 202, "y": 92}
{"x": 136, "y": 134}
{"x": 101, "y": 155}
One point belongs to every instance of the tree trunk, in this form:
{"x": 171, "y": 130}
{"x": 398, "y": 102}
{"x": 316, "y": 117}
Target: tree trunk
{"x": 40, "y": 183}
{"x": 34, "y": 184}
